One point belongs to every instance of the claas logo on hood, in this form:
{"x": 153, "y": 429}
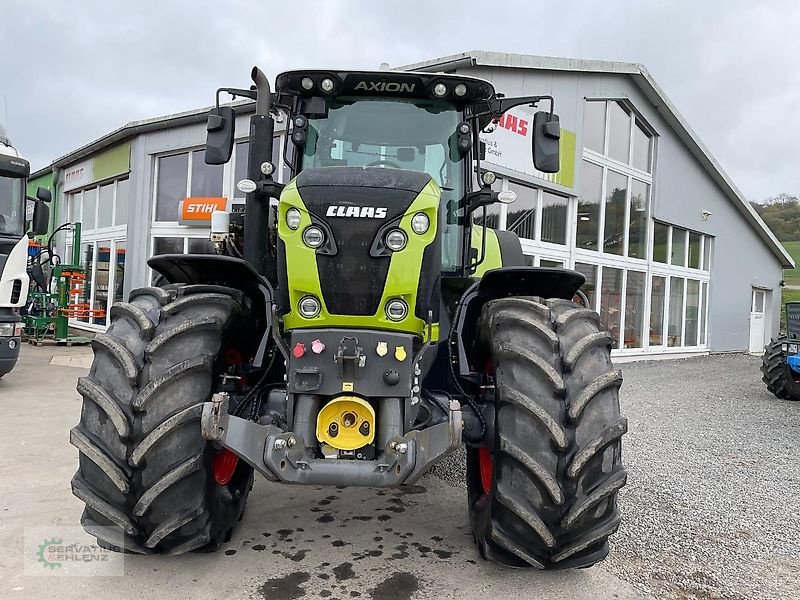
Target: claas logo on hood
{"x": 361, "y": 212}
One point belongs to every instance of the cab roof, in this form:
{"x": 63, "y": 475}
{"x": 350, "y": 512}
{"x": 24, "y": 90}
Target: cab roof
{"x": 399, "y": 84}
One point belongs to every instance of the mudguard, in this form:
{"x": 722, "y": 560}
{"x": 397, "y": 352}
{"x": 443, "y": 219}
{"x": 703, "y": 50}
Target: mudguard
{"x": 501, "y": 283}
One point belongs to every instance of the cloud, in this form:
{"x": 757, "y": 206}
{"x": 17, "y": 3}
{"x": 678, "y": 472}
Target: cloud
{"x": 87, "y": 67}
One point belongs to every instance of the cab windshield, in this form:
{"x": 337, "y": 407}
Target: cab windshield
{"x": 417, "y": 135}
{"x": 12, "y": 206}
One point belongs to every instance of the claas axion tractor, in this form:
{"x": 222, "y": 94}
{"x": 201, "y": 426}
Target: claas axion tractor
{"x": 354, "y": 327}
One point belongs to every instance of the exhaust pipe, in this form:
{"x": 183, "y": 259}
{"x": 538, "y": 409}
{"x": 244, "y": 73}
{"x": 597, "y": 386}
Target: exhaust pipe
{"x": 264, "y": 96}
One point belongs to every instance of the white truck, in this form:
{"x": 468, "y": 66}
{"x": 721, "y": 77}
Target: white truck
{"x": 14, "y": 171}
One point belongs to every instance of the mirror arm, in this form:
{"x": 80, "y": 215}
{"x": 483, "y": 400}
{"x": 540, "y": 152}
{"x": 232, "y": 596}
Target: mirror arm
{"x": 481, "y": 198}
{"x": 251, "y": 94}
{"x": 482, "y": 256}
{"x": 498, "y": 106}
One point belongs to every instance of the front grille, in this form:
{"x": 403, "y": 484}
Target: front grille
{"x": 352, "y": 281}
{"x": 16, "y": 291}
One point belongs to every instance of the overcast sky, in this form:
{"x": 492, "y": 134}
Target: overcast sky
{"x": 73, "y": 71}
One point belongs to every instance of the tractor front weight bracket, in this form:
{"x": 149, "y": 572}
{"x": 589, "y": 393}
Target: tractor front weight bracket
{"x": 283, "y": 456}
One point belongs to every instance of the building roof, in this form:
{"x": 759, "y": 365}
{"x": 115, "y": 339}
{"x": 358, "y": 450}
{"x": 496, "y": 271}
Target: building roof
{"x": 198, "y": 115}
{"x": 651, "y": 90}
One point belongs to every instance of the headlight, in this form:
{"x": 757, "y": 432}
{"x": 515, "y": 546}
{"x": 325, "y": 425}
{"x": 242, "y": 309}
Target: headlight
{"x": 7, "y": 329}
{"x": 784, "y": 347}
{"x": 313, "y": 236}
{"x": 293, "y": 218}
{"x": 327, "y": 85}
{"x": 460, "y": 89}
{"x": 792, "y": 348}
{"x": 308, "y": 306}
{"x": 420, "y": 223}
{"x": 396, "y": 240}
{"x": 439, "y": 89}
{"x": 307, "y": 83}
{"x": 267, "y": 168}
{"x": 396, "y": 310}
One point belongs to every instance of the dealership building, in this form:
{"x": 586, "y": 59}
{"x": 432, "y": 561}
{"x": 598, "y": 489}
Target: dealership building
{"x": 676, "y": 260}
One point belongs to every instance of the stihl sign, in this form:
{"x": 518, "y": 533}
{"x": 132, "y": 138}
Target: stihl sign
{"x": 197, "y": 211}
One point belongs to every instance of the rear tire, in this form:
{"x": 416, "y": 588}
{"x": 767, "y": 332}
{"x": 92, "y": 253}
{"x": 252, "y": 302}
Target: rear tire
{"x": 776, "y": 373}
{"x": 145, "y": 472}
{"x": 547, "y": 497}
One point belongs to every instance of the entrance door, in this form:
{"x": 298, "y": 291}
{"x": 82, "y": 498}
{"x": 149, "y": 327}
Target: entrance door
{"x": 757, "y": 321}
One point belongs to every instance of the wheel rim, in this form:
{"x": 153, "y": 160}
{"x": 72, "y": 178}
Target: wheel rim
{"x": 224, "y": 464}
{"x": 486, "y": 465}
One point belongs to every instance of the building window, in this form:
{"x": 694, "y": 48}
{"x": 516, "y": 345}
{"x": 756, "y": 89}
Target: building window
{"x": 694, "y": 250}
{"x": 634, "y": 309}
{"x": 206, "y": 179}
{"x": 678, "y": 247}
{"x": 703, "y": 312}
{"x": 619, "y": 132}
{"x": 594, "y": 126}
{"x": 692, "y": 312}
{"x": 616, "y": 167}
{"x": 675, "y": 321}
{"x": 611, "y": 302}
{"x": 102, "y": 212}
{"x": 521, "y": 217}
{"x": 588, "y": 217}
{"x": 89, "y": 217}
{"x": 686, "y": 249}
{"x": 551, "y": 264}
{"x": 105, "y": 206}
{"x": 173, "y": 172}
{"x": 642, "y": 155}
{"x": 616, "y": 195}
{"x": 121, "y": 200}
{"x": 554, "y": 218}
{"x": 660, "y": 242}
{"x": 658, "y": 302}
{"x": 612, "y": 129}
{"x": 590, "y": 287}
{"x": 637, "y": 219}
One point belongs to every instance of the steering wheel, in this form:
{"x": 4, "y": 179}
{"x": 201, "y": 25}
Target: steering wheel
{"x": 383, "y": 161}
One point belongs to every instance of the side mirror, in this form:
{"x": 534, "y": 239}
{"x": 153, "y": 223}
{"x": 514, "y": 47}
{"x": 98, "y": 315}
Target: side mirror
{"x": 219, "y": 136}
{"x": 546, "y": 138}
{"x": 41, "y": 216}
{"x": 43, "y": 195}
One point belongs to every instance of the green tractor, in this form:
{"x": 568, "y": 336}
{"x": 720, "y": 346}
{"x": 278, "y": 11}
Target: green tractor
{"x": 356, "y": 332}
{"x": 780, "y": 364}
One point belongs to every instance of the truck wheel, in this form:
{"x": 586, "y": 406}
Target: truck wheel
{"x": 544, "y": 494}
{"x": 150, "y": 482}
{"x": 776, "y": 373}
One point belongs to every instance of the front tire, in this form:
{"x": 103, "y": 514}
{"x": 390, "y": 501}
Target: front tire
{"x": 544, "y": 494}
{"x": 776, "y": 373}
{"x": 145, "y": 473}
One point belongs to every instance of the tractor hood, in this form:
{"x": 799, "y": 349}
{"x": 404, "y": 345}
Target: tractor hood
{"x": 352, "y": 271}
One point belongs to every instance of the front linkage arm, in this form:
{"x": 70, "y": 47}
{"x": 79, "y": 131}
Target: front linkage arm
{"x": 283, "y": 456}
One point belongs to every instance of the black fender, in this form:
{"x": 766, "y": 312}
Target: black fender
{"x": 502, "y": 283}
{"x": 213, "y": 269}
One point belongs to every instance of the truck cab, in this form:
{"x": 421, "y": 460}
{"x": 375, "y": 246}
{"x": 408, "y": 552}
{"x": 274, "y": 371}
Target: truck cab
{"x": 14, "y": 171}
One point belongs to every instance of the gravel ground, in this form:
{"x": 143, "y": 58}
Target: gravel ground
{"x": 712, "y": 505}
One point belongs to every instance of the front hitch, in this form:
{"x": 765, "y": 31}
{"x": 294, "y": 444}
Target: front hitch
{"x": 283, "y": 456}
